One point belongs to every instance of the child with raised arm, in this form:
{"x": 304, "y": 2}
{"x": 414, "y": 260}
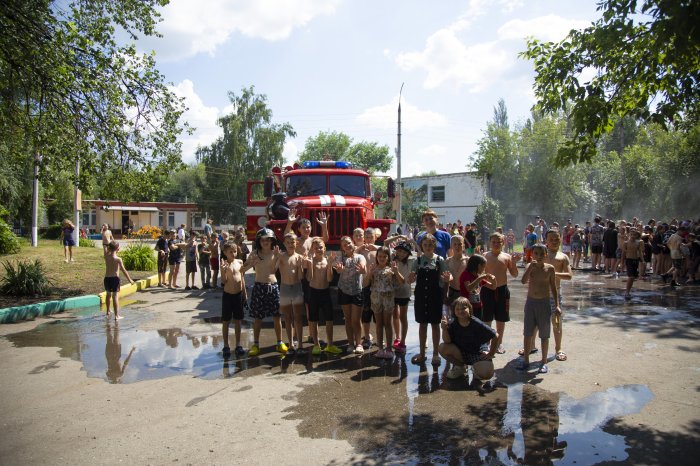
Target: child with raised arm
{"x": 291, "y": 269}
{"x": 632, "y": 255}
{"x": 265, "y": 299}
{"x": 471, "y": 281}
{"x": 174, "y": 259}
{"x": 67, "y": 240}
{"x": 402, "y": 295}
{"x": 113, "y": 264}
{"x": 538, "y": 309}
{"x": 191, "y": 262}
{"x": 381, "y": 278}
{"x": 465, "y": 343}
{"x": 430, "y": 273}
{"x": 456, "y": 264}
{"x": 351, "y": 266}
{"x": 319, "y": 273}
{"x": 233, "y": 298}
{"x": 496, "y": 302}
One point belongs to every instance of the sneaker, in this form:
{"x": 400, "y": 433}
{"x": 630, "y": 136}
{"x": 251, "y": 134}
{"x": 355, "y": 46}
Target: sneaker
{"x": 239, "y": 351}
{"x": 359, "y": 350}
{"x": 388, "y": 354}
{"x": 401, "y": 348}
{"x": 254, "y": 350}
{"x": 456, "y": 372}
{"x": 226, "y": 352}
{"x": 316, "y": 350}
{"x": 396, "y": 343}
{"x": 367, "y": 342}
{"x": 332, "y": 349}
{"x": 282, "y": 348}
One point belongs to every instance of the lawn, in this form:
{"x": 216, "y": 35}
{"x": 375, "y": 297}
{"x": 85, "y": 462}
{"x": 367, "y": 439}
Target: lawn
{"x": 82, "y": 277}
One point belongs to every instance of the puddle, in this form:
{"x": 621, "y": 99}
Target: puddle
{"x": 521, "y": 424}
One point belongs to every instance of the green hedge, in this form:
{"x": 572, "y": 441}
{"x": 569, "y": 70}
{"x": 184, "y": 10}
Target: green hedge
{"x": 25, "y": 278}
{"x": 139, "y": 257}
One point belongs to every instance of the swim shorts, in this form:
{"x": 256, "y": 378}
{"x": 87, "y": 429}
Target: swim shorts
{"x": 112, "y": 284}
{"x": 632, "y": 267}
{"x": 538, "y": 313}
{"x": 320, "y": 305}
{"x": 496, "y": 304}
{"x": 291, "y": 295}
{"x": 231, "y": 306}
{"x": 265, "y": 300}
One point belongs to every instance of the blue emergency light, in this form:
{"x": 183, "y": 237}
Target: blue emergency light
{"x": 327, "y": 164}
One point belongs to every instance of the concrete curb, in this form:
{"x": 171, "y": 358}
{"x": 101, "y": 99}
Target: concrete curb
{"x": 32, "y": 311}
{"x": 128, "y": 289}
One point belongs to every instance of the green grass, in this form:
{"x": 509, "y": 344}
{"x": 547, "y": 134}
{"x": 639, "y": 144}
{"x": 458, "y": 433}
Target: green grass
{"x": 82, "y": 277}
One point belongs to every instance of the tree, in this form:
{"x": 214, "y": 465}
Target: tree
{"x": 414, "y": 203}
{"x": 645, "y": 56}
{"x": 369, "y": 156}
{"x": 489, "y": 214}
{"x": 71, "y": 92}
{"x": 185, "y": 185}
{"x": 250, "y": 146}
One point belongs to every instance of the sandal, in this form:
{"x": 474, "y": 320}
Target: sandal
{"x": 521, "y": 351}
{"x": 560, "y": 356}
{"x": 501, "y": 350}
{"x": 543, "y": 369}
{"x": 418, "y": 359}
{"x": 436, "y": 360}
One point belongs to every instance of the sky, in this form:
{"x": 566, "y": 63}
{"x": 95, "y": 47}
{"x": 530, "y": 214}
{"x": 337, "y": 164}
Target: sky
{"x": 338, "y": 65}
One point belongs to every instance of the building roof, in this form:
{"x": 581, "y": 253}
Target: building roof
{"x": 145, "y": 206}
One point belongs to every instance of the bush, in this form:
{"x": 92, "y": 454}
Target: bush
{"x": 53, "y": 231}
{"x": 86, "y": 243}
{"x": 25, "y": 278}
{"x": 148, "y": 231}
{"x": 9, "y": 243}
{"x": 139, "y": 257}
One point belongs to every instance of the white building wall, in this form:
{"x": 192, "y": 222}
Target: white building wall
{"x": 180, "y": 218}
{"x": 464, "y": 192}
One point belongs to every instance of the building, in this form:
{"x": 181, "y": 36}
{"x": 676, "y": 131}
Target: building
{"x": 119, "y": 215}
{"x": 453, "y": 196}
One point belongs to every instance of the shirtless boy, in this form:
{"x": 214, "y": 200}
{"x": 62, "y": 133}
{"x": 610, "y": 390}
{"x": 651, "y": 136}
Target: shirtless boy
{"x": 233, "y": 298}
{"x": 265, "y": 299}
{"x": 456, "y": 264}
{"x": 304, "y": 239}
{"x": 496, "y": 303}
{"x": 538, "y": 310}
{"x": 291, "y": 269}
{"x": 632, "y": 255}
{"x": 107, "y": 236}
{"x": 214, "y": 260}
{"x": 369, "y": 251}
{"x": 113, "y": 264}
{"x": 319, "y": 273}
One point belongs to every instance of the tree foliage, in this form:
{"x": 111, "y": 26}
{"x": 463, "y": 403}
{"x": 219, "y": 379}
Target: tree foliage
{"x": 489, "y": 214}
{"x": 71, "y": 91}
{"x": 644, "y": 57}
{"x": 249, "y": 147}
{"x": 334, "y": 145}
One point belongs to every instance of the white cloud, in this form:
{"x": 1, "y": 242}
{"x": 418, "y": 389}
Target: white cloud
{"x": 549, "y": 28}
{"x": 198, "y": 115}
{"x": 447, "y": 60}
{"x": 433, "y": 150}
{"x": 290, "y": 152}
{"x": 190, "y": 27}
{"x": 412, "y": 118}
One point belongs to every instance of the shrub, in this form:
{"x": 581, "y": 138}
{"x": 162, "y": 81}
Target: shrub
{"x": 53, "y": 231}
{"x": 25, "y": 278}
{"x": 148, "y": 231}
{"x": 9, "y": 243}
{"x": 139, "y": 257}
{"x": 86, "y": 243}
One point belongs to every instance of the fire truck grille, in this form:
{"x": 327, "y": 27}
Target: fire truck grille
{"x": 341, "y": 221}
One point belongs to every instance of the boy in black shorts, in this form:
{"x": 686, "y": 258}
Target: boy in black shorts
{"x": 113, "y": 264}
{"x": 233, "y": 298}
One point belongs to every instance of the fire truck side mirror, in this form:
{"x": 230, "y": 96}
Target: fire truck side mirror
{"x": 390, "y": 188}
{"x": 268, "y": 187}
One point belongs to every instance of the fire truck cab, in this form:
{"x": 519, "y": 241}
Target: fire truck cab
{"x": 334, "y": 187}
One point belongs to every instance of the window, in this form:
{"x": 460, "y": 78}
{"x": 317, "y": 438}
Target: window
{"x": 437, "y": 194}
{"x": 89, "y": 218}
{"x": 171, "y": 219}
{"x": 347, "y": 185}
{"x": 86, "y": 218}
{"x": 197, "y": 220}
{"x": 306, "y": 185}
{"x": 160, "y": 219}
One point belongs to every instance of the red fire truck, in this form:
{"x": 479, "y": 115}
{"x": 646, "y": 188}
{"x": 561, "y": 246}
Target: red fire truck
{"x": 333, "y": 187}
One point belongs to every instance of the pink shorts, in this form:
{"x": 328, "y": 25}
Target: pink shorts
{"x": 214, "y": 262}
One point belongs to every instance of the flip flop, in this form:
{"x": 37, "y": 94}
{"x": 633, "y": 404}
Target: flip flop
{"x": 418, "y": 359}
{"x": 501, "y": 350}
{"x": 560, "y": 356}
{"x": 543, "y": 369}
{"x": 521, "y": 351}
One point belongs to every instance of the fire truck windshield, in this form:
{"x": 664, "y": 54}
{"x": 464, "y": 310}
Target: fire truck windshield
{"x": 309, "y": 185}
{"x": 349, "y": 185}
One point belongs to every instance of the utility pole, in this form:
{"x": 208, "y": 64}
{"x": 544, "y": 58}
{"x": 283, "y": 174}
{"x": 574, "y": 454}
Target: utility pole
{"x": 35, "y": 201}
{"x": 77, "y": 201}
{"x": 398, "y": 163}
